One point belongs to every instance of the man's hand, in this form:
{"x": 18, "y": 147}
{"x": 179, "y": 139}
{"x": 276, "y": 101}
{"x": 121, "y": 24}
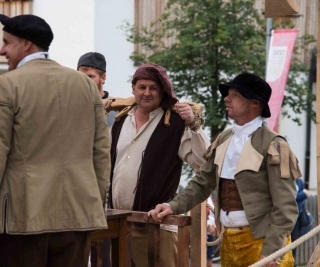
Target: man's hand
{"x": 211, "y": 229}
{"x": 271, "y": 263}
{"x": 185, "y": 112}
{"x": 160, "y": 211}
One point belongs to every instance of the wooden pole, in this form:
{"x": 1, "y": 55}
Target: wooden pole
{"x": 315, "y": 260}
{"x": 318, "y": 108}
{"x": 198, "y": 236}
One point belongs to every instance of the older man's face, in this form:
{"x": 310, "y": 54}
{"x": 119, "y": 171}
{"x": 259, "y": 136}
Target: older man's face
{"x": 13, "y": 49}
{"x": 147, "y": 94}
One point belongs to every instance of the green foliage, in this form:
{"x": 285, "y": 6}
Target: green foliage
{"x": 299, "y": 96}
{"x": 213, "y": 41}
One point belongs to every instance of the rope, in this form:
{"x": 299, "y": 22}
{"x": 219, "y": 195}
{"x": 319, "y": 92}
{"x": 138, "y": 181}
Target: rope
{"x": 219, "y": 239}
{"x": 287, "y": 248}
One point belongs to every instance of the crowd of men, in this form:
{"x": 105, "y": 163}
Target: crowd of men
{"x": 63, "y": 160}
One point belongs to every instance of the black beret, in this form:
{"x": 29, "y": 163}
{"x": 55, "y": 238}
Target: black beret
{"x": 250, "y": 86}
{"x": 29, "y": 27}
{"x": 92, "y": 59}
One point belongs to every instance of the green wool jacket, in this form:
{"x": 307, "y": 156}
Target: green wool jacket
{"x": 265, "y": 178}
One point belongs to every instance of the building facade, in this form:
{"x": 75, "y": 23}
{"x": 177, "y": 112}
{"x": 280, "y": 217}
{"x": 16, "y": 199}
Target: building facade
{"x": 81, "y": 26}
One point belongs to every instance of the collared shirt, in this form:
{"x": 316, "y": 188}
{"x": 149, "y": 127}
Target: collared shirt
{"x": 130, "y": 149}
{"x": 241, "y": 134}
{"x": 36, "y": 55}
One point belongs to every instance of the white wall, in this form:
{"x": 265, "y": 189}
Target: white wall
{"x": 72, "y": 25}
{"x": 111, "y": 41}
{"x": 81, "y": 26}
{"x": 296, "y": 136}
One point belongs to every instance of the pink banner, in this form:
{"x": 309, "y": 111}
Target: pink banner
{"x": 279, "y": 59}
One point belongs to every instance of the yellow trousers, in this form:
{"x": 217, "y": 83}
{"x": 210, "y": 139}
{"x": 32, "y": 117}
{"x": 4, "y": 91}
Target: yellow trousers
{"x": 240, "y": 249}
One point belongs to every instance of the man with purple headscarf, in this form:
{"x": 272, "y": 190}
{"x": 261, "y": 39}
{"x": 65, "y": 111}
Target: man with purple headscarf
{"x": 147, "y": 156}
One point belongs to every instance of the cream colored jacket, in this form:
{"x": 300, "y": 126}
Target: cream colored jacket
{"x": 54, "y": 151}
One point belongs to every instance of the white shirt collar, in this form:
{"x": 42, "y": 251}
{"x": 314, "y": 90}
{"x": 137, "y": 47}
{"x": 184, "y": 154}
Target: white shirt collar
{"x": 248, "y": 128}
{"x": 36, "y": 55}
{"x": 152, "y": 114}
{"x": 236, "y": 145}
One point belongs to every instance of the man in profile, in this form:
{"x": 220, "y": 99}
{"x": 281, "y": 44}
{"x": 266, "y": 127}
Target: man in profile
{"x": 54, "y": 153}
{"x": 252, "y": 171}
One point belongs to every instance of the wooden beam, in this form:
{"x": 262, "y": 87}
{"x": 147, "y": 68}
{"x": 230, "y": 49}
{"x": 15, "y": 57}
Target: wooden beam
{"x": 142, "y": 217}
{"x": 198, "y": 236}
{"x": 282, "y": 8}
{"x": 318, "y": 108}
{"x": 315, "y": 257}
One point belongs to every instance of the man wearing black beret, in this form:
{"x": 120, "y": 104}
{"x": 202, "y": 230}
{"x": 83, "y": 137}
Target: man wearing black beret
{"x": 94, "y": 65}
{"x": 54, "y": 153}
{"x": 252, "y": 171}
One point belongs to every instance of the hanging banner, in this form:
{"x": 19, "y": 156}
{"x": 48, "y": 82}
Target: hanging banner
{"x": 278, "y": 65}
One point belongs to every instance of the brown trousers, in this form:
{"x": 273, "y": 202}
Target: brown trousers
{"x": 67, "y": 249}
{"x": 168, "y": 247}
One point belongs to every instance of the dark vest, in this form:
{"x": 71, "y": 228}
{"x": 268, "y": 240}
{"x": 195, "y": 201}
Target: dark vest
{"x": 229, "y": 195}
{"x": 160, "y": 169}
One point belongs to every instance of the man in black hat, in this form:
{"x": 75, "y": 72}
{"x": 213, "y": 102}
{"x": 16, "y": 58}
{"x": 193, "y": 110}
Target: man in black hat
{"x": 93, "y": 65}
{"x": 54, "y": 153}
{"x": 252, "y": 171}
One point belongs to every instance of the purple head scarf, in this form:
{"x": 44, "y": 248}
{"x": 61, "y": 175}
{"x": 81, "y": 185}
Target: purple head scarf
{"x": 158, "y": 74}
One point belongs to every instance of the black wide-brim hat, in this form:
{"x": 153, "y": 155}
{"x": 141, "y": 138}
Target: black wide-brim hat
{"x": 250, "y": 86}
{"x": 29, "y": 27}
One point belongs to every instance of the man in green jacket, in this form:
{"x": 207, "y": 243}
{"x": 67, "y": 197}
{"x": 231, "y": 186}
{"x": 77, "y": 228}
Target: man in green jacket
{"x": 54, "y": 153}
{"x": 252, "y": 170}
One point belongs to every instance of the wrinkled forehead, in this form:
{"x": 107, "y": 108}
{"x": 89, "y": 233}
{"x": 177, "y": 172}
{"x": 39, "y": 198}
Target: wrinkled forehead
{"x": 148, "y": 82}
{"x": 8, "y": 37}
{"x": 92, "y": 70}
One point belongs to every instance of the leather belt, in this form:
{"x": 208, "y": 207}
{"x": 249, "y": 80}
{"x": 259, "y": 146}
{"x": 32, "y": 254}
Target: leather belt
{"x": 237, "y": 228}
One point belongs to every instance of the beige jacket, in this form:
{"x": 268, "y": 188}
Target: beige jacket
{"x": 54, "y": 151}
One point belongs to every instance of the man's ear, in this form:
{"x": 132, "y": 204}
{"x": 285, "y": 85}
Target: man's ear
{"x": 256, "y": 102}
{"x": 258, "y": 105}
{"x": 132, "y": 86}
{"x": 104, "y": 78}
{"x": 27, "y": 44}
